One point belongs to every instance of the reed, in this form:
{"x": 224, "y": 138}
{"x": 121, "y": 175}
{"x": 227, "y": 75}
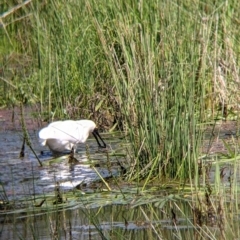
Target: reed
{"x": 156, "y": 70}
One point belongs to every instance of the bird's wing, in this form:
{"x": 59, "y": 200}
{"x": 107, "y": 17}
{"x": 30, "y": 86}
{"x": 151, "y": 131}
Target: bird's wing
{"x": 45, "y": 133}
{"x": 57, "y": 145}
{"x": 66, "y": 130}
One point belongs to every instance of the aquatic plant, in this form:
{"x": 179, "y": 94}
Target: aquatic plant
{"x": 151, "y": 69}
{"x": 157, "y": 70}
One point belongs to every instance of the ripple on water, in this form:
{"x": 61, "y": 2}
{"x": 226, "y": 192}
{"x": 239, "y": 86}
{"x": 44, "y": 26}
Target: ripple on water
{"x": 24, "y": 177}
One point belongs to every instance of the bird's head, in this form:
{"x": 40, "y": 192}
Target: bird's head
{"x": 91, "y": 127}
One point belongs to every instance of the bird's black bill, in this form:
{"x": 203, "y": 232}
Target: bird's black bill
{"x": 97, "y": 135}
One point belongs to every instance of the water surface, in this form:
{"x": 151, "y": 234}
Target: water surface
{"x": 23, "y": 177}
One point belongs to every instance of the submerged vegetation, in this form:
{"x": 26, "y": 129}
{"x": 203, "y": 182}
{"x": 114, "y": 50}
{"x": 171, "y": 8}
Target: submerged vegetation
{"x": 158, "y": 70}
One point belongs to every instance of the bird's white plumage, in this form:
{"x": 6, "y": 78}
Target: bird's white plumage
{"x": 64, "y": 135}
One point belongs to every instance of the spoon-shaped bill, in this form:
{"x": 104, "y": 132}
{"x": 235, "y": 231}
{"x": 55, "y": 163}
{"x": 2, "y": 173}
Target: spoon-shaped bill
{"x": 97, "y": 135}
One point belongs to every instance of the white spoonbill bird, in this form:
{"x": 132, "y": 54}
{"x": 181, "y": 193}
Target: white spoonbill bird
{"x": 60, "y": 136}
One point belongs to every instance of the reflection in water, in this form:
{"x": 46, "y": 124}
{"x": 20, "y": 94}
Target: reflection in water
{"x": 24, "y": 177}
{"x": 109, "y": 222}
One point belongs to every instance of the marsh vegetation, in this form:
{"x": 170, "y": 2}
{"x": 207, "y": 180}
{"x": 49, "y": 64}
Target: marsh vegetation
{"x": 164, "y": 73}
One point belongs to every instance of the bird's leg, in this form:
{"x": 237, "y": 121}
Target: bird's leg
{"x": 72, "y": 159}
{"x": 72, "y": 152}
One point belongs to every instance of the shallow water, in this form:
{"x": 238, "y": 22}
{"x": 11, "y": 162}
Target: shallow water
{"x": 75, "y": 224}
{"x": 24, "y": 177}
{"x": 110, "y": 222}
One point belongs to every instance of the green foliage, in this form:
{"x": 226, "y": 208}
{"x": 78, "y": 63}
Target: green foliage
{"x": 154, "y": 81}
{"x": 151, "y": 68}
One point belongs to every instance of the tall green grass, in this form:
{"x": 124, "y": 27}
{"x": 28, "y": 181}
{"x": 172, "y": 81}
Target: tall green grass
{"x": 165, "y": 58}
{"x": 154, "y": 69}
